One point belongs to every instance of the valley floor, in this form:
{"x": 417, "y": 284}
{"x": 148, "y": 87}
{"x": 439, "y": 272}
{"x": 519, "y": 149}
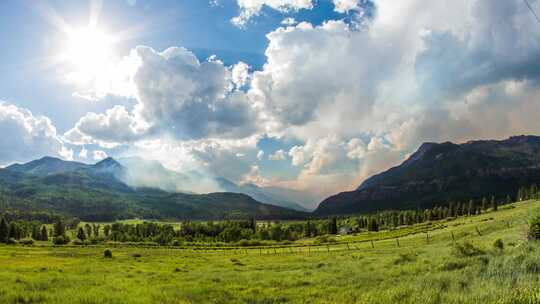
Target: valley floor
{"x": 417, "y": 268}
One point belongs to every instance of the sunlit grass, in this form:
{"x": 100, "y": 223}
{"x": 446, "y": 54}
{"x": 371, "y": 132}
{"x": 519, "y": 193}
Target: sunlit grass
{"x": 414, "y": 272}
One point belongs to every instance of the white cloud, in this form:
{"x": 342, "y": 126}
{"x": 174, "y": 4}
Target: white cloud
{"x": 99, "y": 155}
{"x": 278, "y": 155}
{"x": 343, "y": 6}
{"x": 115, "y": 126}
{"x": 26, "y": 136}
{"x": 289, "y": 21}
{"x": 252, "y": 8}
{"x": 240, "y": 74}
{"x": 83, "y": 153}
{"x": 260, "y": 154}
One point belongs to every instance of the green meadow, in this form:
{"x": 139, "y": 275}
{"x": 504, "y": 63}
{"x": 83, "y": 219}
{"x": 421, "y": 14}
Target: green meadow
{"x": 475, "y": 259}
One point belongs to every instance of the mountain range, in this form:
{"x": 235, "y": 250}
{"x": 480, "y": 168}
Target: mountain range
{"x": 440, "y": 173}
{"x": 98, "y": 193}
{"x": 435, "y": 175}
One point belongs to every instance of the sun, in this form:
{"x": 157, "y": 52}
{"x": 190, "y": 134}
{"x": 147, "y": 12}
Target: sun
{"x": 88, "y": 50}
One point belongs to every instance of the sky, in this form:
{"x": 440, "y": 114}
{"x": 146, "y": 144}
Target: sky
{"x": 312, "y": 95}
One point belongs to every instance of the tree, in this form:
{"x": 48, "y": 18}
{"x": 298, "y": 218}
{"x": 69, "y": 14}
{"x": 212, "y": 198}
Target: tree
{"x": 4, "y": 231}
{"x": 332, "y": 226}
{"x": 88, "y": 230}
{"x": 35, "y": 232}
{"x": 81, "y": 235}
{"x": 59, "y": 229}
{"x": 373, "y": 225}
{"x": 107, "y": 230}
{"x": 14, "y": 231}
{"x": 493, "y": 204}
{"x": 96, "y": 230}
{"x": 484, "y": 204}
{"x": 470, "y": 210}
{"x": 44, "y": 235}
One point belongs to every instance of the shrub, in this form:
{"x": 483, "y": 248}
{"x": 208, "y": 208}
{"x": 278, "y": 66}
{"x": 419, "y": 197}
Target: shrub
{"x": 26, "y": 242}
{"x": 498, "y": 244}
{"x": 107, "y": 254}
{"x": 78, "y": 242}
{"x": 61, "y": 240}
{"x": 467, "y": 249}
{"x": 534, "y": 228}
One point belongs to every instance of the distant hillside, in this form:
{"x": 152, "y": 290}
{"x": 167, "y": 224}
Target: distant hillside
{"x": 96, "y": 192}
{"x": 437, "y": 174}
{"x": 286, "y": 198}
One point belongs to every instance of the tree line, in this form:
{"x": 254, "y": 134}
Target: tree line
{"x": 244, "y": 231}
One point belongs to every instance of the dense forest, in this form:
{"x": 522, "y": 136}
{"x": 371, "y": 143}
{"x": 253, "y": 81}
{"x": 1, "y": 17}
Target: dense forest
{"x": 27, "y": 227}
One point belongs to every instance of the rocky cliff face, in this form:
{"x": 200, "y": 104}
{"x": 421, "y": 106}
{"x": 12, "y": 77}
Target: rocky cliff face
{"x": 437, "y": 174}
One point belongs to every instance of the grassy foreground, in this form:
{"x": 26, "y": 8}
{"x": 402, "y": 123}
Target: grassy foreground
{"x": 417, "y": 268}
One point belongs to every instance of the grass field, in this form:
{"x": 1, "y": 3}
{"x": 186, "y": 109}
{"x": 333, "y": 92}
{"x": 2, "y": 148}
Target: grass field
{"x": 454, "y": 262}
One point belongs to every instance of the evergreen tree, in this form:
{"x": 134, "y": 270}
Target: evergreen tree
{"x": 4, "y": 231}
{"x": 44, "y": 235}
{"x": 493, "y": 204}
{"x": 470, "y": 209}
{"x": 332, "y": 226}
{"x": 59, "y": 229}
{"x": 35, "y": 232}
{"x": 81, "y": 235}
{"x": 14, "y": 231}
{"x": 373, "y": 225}
{"x": 88, "y": 230}
{"x": 484, "y": 204}
{"x": 96, "y": 230}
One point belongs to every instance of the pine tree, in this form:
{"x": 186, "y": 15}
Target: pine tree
{"x": 470, "y": 210}
{"x": 88, "y": 230}
{"x": 81, "y": 235}
{"x": 332, "y": 226}
{"x": 373, "y": 225}
{"x": 484, "y": 204}
{"x": 35, "y": 232}
{"x": 44, "y": 235}
{"x": 13, "y": 230}
{"x": 59, "y": 229}
{"x": 493, "y": 204}
{"x": 4, "y": 231}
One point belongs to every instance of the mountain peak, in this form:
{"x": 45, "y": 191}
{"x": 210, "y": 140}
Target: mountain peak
{"x": 438, "y": 173}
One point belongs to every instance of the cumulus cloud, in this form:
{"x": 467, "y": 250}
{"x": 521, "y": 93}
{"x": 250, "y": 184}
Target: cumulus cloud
{"x": 27, "y": 136}
{"x": 355, "y": 100}
{"x": 343, "y": 6}
{"x": 278, "y": 155}
{"x": 115, "y": 126}
{"x": 176, "y": 95}
{"x": 252, "y": 8}
{"x": 188, "y": 98}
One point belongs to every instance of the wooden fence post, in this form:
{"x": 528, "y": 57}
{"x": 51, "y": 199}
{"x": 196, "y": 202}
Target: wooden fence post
{"x": 427, "y": 237}
{"x": 309, "y": 248}
{"x": 348, "y": 248}
{"x": 327, "y": 248}
{"x": 397, "y": 241}
{"x": 453, "y": 238}
{"x": 275, "y": 251}
{"x": 372, "y": 246}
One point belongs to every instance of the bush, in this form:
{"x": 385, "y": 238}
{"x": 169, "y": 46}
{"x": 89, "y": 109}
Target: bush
{"x": 498, "y": 244}
{"x": 534, "y": 228}
{"x": 79, "y": 242}
{"x": 26, "y": 242}
{"x": 107, "y": 254}
{"x": 61, "y": 240}
{"x": 467, "y": 249}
